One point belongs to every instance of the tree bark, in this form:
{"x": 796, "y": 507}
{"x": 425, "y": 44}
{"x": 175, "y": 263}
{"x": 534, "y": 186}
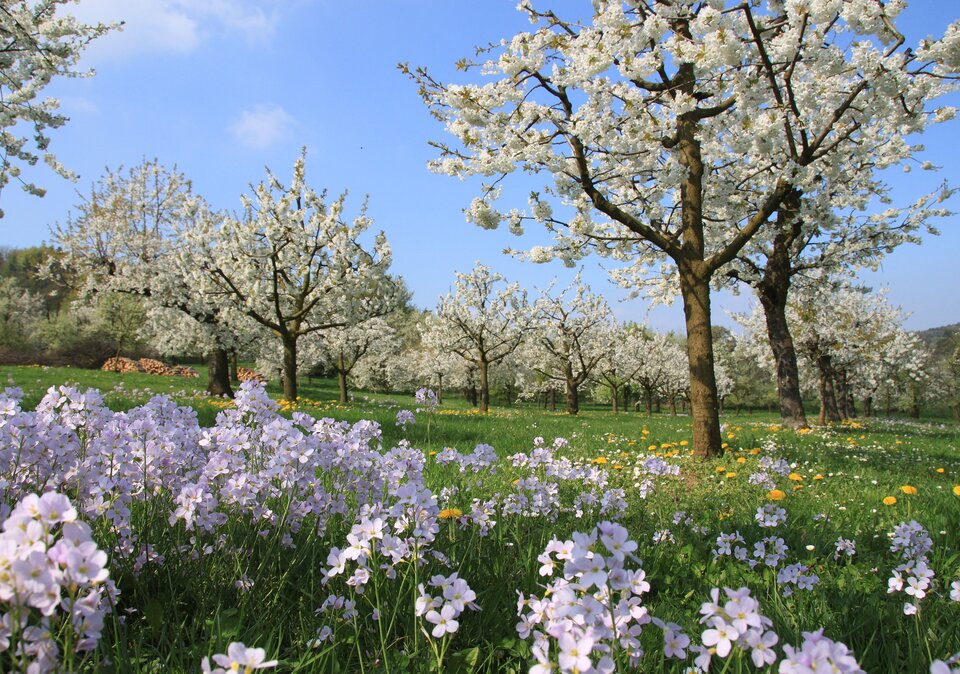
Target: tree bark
{"x": 841, "y": 392}
{"x": 648, "y": 400}
{"x": 553, "y": 399}
{"x": 704, "y": 409}
{"x": 484, "y": 386}
{"x": 673, "y": 406}
{"x": 342, "y": 381}
{"x": 440, "y": 388}
{"x": 774, "y": 303}
{"x": 234, "y": 364}
{"x": 615, "y": 398}
{"x": 828, "y": 399}
{"x": 572, "y": 398}
{"x": 868, "y": 406}
{"x": 218, "y": 373}
{"x": 289, "y": 367}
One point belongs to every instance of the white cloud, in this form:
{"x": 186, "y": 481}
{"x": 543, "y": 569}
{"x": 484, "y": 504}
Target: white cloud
{"x": 176, "y": 26}
{"x": 262, "y": 126}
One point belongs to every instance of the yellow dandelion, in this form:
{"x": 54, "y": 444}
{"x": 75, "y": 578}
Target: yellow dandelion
{"x": 776, "y": 495}
{"x": 684, "y": 443}
{"x": 796, "y": 477}
{"x": 755, "y": 451}
{"x": 652, "y": 447}
{"x": 450, "y": 513}
{"x": 742, "y": 459}
{"x": 730, "y": 474}
{"x": 889, "y": 500}
{"x": 939, "y": 470}
{"x": 618, "y": 467}
{"x": 721, "y": 469}
{"x": 818, "y": 476}
{"x": 908, "y": 489}
{"x": 600, "y": 460}
{"x": 956, "y": 490}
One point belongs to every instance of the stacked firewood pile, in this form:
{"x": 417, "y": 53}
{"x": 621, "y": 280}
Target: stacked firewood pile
{"x": 148, "y": 365}
{"x": 246, "y": 374}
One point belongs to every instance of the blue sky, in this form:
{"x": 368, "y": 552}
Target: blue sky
{"x": 223, "y": 88}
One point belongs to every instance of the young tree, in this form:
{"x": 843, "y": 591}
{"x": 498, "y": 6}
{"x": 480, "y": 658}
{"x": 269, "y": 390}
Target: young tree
{"x": 483, "y": 320}
{"x": 344, "y": 349}
{"x": 684, "y": 126}
{"x": 570, "y": 336}
{"x": 621, "y": 362}
{"x": 293, "y": 265}
{"x": 38, "y": 45}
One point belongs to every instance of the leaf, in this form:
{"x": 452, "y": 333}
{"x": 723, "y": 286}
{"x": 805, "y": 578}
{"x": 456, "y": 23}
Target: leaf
{"x": 463, "y": 661}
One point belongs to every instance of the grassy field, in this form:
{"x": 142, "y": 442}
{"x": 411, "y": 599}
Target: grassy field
{"x": 259, "y": 576}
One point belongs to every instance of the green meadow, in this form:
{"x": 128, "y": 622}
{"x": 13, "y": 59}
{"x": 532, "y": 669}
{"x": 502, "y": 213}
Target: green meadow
{"x": 856, "y": 481}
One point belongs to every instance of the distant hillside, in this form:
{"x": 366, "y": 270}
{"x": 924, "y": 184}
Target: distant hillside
{"x": 941, "y": 340}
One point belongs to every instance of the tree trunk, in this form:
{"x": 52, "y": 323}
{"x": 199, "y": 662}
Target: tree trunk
{"x": 572, "y": 397}
{"x": 673, "y": 406}
{"x": 774, "y": 302}
{"x": 440, "y": 388}
{"x": 868, "y": 406}
{"x": 828, "y": 400}
{"x": 914, "y": 402}
{"x": 484, "y": 386}
{"x": 289, "y": 368}
{"x": 841, "y": 392}
{"x": 553, "y": 399}
{"x": 615, "y": 398}
{"x": 695, "y": 290}
{"x": 626, "y": 398}
{"x": 342, "y": 381}
{"x": 234, "y": 358}
{"x": 648, "y": 401}
{"x": 218, "y": 374}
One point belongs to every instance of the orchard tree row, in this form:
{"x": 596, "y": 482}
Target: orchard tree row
{"x": 488, "y": 336}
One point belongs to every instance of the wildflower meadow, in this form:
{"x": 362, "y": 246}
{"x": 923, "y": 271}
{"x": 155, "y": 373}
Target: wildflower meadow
{"x": 269, "y": 538}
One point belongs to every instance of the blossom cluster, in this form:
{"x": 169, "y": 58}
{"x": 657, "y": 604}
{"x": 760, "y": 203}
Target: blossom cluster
{"x": 914, "y": 577}
{"x": 55, "y": 590}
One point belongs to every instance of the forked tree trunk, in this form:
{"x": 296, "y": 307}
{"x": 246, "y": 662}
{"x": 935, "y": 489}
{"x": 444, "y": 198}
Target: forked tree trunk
{"x": 218, "y": 373}
{"x": 289, "y": 367}
{"x": 704, "y": 408}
